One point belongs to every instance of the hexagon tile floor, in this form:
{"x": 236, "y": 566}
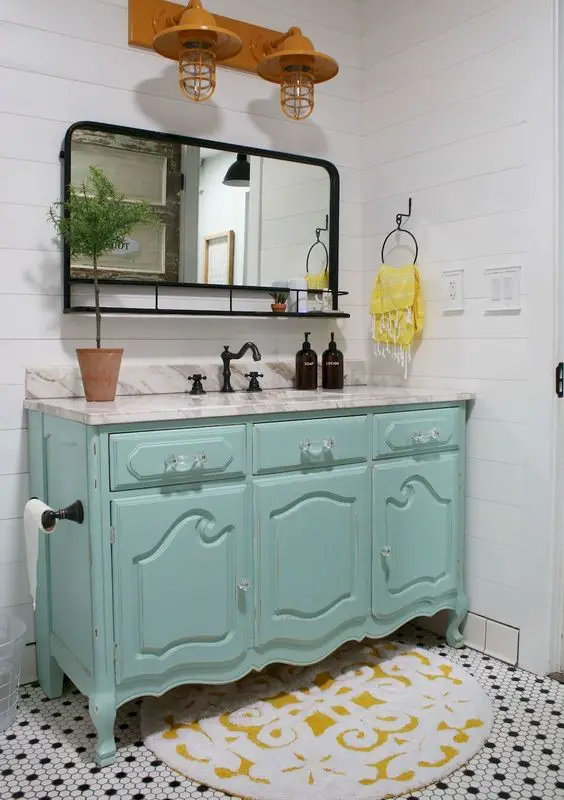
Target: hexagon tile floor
{"x": 47, "y": 753}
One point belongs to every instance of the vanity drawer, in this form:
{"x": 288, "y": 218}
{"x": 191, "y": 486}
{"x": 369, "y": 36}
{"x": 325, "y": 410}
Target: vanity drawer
{"x": 164, "y": 458}
{"x": 412, "y": 431}
{"x": 308, "y": 444}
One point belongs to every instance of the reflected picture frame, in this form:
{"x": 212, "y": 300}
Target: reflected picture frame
{"x": 219, "y": 258}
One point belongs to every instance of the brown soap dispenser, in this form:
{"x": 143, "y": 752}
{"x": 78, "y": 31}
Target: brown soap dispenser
{"x": 306, "y": 366}
{"x": 333, "y": 367}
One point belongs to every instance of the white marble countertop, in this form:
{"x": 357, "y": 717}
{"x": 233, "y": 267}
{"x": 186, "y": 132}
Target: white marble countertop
{"x": 165, "y": 407}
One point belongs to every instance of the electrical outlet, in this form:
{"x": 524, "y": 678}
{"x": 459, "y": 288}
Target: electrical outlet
{"x": 454, "y": 289}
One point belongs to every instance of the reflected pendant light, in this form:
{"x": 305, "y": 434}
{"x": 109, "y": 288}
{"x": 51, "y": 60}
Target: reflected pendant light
{"x": 201, "y": 44}
{"x": 239, "y": 173}
{"x": 293, "y": 63}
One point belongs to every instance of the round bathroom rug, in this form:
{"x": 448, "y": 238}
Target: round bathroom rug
{"x": 374, "y": 720}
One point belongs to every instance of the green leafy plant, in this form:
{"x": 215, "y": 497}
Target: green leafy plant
{"x": 279, "y": 297}
{"x": 95, "y": 219}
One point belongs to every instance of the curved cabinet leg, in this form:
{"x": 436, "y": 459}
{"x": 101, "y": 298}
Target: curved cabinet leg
{"x": 454, "y": 635}
{"x": 102, "y": 709}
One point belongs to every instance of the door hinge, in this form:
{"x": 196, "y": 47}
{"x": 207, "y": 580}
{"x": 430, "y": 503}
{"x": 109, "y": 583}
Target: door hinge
{"x": 182, "y": 182}
{"x": 560, "y": 380}
{"x": 112, "y": 535}
{"x": 115, "y": 652}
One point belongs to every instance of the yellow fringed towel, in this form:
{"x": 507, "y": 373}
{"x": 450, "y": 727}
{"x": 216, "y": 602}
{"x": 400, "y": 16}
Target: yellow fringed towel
{"x": 396, "y": 305}
{"x": 319, "y": 281}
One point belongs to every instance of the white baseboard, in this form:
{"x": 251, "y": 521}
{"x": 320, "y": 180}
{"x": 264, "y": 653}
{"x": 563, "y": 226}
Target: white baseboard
{"x": 485, "y": 635}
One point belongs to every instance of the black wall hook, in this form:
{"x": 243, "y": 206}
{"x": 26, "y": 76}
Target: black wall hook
{"x": 318, "y": 232}
{"x": 399, "y": 222}
{"x": 400, "y": 217}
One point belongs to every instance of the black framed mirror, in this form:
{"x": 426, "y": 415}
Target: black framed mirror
{"x": 235, "y": 225}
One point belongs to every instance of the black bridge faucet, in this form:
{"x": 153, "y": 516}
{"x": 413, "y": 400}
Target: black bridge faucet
{"x": 228, "y": 357}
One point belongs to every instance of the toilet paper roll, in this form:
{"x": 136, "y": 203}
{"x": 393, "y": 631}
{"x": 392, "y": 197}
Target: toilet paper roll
{"x": 33, "y": 512}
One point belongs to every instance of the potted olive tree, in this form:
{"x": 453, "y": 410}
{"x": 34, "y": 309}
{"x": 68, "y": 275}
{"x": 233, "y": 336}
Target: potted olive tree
{"x": 95, "y": 220}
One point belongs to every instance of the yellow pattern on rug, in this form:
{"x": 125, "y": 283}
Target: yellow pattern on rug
{"x": 374, "y": 720}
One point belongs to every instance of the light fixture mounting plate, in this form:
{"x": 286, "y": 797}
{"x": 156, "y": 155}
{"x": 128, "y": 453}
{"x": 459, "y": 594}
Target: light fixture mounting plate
{"x": 141, "y": 30}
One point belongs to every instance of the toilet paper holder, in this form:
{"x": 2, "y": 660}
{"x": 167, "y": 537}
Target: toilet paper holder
{"x": 74, "y": 513}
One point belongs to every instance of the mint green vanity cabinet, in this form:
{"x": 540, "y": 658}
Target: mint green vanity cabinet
{"x": 416, "y": 522}
{"x": 306, "y": 444}
{"x": 212, "y": 547}
{"x": 166, "y": 458}
{"x": 200, "y": 539}
{"x": 400, "y": 434}
{"x": 312, "y": 525}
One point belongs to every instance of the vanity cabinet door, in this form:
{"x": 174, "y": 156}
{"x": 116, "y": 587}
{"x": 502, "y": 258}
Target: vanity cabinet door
{"x": 313, "y": 540}
{"x": 417, "y": 530}
{"x": 182, "y": 571}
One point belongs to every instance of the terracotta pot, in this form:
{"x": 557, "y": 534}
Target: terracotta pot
{"x": 278, "y": 308}
{"x": 100, "y": 372}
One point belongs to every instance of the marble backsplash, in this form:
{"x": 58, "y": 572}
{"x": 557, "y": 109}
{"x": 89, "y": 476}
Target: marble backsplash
{"x": 65, "y": 382}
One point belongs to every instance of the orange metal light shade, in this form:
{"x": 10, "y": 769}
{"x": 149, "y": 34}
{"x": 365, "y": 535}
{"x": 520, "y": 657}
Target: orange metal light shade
{"x": 201, "y": 44}
{"x": 297, "y": 67}
{"x": 295, "y": 49}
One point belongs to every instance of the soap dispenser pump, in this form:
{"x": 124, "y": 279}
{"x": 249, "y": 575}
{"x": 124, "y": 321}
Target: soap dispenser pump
{"x": 333, "y": 371}
{"x": 306, "y": 366}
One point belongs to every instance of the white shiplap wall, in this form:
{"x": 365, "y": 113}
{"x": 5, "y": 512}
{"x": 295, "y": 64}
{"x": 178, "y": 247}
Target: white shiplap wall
{"x": 459, "y": 113}
{"x": 68, "y": 60}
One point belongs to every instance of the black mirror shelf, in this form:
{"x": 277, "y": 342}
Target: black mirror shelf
{"x": 155, "y": 292}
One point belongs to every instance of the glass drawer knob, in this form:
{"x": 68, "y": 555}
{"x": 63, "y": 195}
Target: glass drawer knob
{"x": 317, "y": 448}
{"x": 419, "y": 437}
{"x": 182, "y": 464}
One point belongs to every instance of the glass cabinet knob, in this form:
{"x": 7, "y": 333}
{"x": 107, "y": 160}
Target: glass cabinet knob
{"x": 182, "y": 464}
{"x": 419, "y": 437}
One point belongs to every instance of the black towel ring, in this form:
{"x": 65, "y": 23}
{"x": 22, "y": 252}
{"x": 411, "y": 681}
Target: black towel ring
{"x": 323, "y": 245}
{"x": 399, "y": 220}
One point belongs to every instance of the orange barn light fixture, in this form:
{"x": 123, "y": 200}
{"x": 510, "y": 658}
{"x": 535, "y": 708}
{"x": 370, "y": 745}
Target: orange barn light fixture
{"x": 297, "y": 67}
{"x": 198, "y": 41}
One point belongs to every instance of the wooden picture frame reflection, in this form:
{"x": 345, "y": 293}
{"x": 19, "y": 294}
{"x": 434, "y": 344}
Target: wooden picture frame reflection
{"x": 219, "y": 258}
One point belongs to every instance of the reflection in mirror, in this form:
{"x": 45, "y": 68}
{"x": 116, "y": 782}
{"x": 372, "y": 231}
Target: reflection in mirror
{"x": 225, "y": 217}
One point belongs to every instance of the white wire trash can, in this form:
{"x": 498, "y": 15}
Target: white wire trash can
{"x": 12, "y": 642}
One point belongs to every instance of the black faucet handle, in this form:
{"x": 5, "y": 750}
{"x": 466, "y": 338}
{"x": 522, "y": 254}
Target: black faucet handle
{"x": 254, "y": 385}
{"x": 197, "y": 387}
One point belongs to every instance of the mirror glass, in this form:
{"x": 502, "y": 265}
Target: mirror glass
{"x": 224, "y": 217}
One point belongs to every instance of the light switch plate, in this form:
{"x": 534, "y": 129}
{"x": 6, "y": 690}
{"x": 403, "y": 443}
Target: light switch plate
{"x": 453, "y": 280}
{"x": 503, "y": 290}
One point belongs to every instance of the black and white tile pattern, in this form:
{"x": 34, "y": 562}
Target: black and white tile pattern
{"x": 47, "y": 754}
